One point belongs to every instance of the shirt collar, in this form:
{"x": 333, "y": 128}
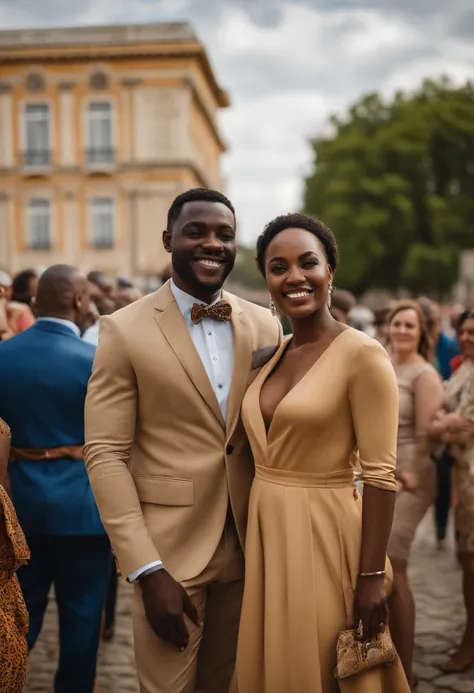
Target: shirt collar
{"x": 186, "y": 301}
{"x": 67, "y": 323}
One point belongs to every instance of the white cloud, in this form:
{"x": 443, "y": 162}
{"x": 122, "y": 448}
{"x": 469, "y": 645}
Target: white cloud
{"x": 288, "y": 65}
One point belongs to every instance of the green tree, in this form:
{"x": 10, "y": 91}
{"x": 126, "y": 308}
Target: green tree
{"x": 395, "y": 182}
{"x": 245, "y": 272}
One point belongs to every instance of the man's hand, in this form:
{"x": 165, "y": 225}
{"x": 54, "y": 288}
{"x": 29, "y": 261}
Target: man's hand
{"x": 166, "y": 602}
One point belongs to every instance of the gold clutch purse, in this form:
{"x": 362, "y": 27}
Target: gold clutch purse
{"x": 354, "y": 656}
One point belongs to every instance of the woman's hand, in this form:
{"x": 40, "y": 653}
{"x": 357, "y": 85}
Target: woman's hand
{"x": 456, "y": 422}
{"x": 407, "y": 480}
{"x": 370, "y": 606}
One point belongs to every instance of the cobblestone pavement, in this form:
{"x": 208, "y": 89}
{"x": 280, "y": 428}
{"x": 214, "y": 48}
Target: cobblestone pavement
{"x": 436, "y": 581}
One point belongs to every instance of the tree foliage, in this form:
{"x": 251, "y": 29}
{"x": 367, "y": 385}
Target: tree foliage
{"x": 245, "y": 272}
{"x": 395, "y": 182}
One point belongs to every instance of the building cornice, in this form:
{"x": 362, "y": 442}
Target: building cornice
{"x": 114, "y": 175}
{"x": 108, "y": 43}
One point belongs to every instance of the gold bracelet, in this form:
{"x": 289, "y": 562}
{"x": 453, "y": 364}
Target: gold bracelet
{"x": 377, "y": 572}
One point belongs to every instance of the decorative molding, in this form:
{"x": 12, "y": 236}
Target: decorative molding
{"x": 35, "y": 82}
{"x": 131, "y": 82}
{"x": 99, "y": 81}
{"x": 66, "y": 85}
{"x": 87, "y": 36}
{"x": 5, "y": 87}
{"x": 197, "y": 171}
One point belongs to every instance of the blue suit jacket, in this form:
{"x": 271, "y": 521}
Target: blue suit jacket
{"x": 44, "y": 373}
{"x": 446, "y": 349}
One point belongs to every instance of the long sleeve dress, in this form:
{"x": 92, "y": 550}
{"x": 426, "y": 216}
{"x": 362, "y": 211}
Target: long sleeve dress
{"x": 305, "y": 520}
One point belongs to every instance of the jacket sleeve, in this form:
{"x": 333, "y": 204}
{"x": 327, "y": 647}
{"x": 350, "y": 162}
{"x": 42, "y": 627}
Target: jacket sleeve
{"x": 110, "y": 415}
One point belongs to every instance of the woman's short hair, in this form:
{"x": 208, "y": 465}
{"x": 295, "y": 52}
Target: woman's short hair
{"x": 465, "y": 315}
{"x": 297, "y": 221}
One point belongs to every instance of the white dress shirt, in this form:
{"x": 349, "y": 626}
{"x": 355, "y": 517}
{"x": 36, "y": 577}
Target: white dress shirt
{"x": 91, "y": 335}
{"x": 213, "y": 341}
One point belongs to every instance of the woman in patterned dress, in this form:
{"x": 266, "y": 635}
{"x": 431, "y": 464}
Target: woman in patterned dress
{"x": 13, "y": 614}
{"x": 455, "y": 426}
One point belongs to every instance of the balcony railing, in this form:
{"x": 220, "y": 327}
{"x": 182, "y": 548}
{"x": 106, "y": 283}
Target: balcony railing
{"x": 37, "y": 157}
{"x": 99, "y": 156}
{"x": 103, "y": 243}
{"x": 40, "y": 244}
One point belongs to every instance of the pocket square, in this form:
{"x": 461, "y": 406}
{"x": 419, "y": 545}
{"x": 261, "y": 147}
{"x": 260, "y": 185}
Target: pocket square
{"x": 263, "y": 356}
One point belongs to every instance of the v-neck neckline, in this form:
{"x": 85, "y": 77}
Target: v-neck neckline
{"x": 272, "y": 364}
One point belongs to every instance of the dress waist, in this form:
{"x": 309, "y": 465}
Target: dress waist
{"x": 338, "y": 479}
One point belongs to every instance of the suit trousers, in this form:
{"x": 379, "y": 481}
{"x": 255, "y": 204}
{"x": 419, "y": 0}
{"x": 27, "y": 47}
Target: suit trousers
{"x": 79, "y": 568}
{"x": 207, "y": 665}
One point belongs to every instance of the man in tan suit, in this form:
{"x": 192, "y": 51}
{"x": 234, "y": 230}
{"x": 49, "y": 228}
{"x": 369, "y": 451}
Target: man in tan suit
{"x": 167, "y": 456}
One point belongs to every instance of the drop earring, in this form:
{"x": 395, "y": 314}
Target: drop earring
{"x": 271, "y": 305}
{"x": 330, "y": 290}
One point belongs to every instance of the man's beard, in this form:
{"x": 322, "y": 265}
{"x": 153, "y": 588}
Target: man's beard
{"x": 184, "y": 271}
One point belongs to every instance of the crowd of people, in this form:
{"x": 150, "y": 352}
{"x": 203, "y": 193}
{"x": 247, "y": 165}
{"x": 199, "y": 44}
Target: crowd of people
{"x": 210, "y": 437}
{"x": 434, "y": 368}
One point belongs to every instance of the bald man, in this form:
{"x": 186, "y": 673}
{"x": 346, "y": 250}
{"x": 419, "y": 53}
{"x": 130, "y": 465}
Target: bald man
{"x": 44, "y": 373}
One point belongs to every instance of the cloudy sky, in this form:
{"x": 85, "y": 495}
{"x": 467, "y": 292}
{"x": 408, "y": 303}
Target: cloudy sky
{"x": 289, "y": 64}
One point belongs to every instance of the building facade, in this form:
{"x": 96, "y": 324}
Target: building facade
{"x": 100, "y": 128}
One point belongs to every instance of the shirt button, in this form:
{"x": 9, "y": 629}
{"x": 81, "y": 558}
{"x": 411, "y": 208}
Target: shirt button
{"x": 210, "y": 334}
{"x": 214, "y": 358}
{"x": 220, "y": 387}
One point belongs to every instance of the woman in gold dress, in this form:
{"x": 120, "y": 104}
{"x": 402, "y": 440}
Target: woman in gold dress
{"x": 13, "y": 614}
{"x": 325, "y": 405}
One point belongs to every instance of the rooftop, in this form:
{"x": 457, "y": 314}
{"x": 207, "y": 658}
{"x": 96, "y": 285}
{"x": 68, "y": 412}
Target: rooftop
{"x": 107, "y": 42}
{"x": 113, "y": 35}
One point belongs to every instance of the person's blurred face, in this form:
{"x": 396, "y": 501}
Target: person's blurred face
{"x": 127, "y": 296}
{"x": 33, "y": 287}
{"x": 436, "y": 324}
{"x": 466, "y": 338}
{"x": 7, "y": 292}
{"x": 404, "y": 332}
{"x": 82, "y": 302}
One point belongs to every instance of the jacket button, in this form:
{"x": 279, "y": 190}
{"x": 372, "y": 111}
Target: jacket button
{"x": 229, "y": 449}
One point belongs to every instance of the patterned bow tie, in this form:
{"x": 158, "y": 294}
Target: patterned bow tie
{"x": 222, "y": 310}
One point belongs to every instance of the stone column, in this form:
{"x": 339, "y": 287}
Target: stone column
{"x": 6, "y": 127}
{"x": 67, "y": 155}
{"x": 5, "y": 232}
{"x": 127, "y": 115}
{"x": 71, "y": 248}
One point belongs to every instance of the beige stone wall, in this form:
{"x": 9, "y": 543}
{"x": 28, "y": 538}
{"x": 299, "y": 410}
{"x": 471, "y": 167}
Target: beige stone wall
{"x": 164, "y": 103}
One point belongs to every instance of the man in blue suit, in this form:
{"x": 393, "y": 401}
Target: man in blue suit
{"x": 44, "y": 373}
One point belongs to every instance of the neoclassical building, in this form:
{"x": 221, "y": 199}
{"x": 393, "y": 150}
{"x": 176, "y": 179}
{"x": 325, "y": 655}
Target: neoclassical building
{"x": 100, "y": 128}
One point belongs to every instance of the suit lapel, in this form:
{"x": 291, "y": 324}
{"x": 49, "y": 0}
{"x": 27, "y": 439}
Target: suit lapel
{"x": 242, "y": 343}
{"x": 172, "y": 324}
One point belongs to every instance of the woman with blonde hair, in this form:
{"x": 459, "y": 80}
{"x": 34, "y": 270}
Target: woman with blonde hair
{"x": 421, "y": 394}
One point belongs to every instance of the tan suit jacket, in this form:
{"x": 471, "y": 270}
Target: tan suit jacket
{"x": 162, "y": 462}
